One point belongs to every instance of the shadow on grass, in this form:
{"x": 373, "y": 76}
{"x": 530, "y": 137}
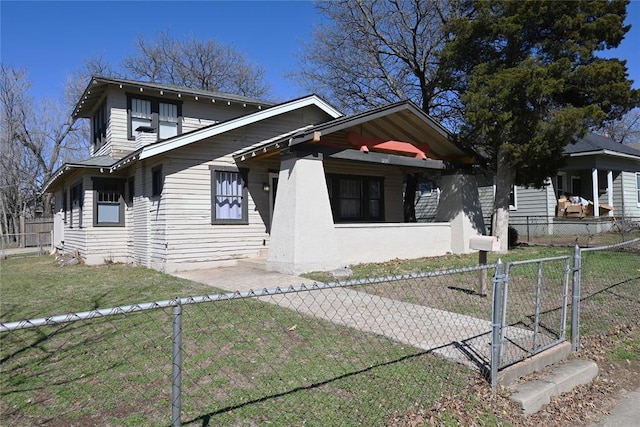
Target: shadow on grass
{"x": 205, "y": 420}
{"x": 41, "y": 355}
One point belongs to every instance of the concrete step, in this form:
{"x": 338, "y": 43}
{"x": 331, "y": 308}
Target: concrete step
{"x": 532, "y": 395}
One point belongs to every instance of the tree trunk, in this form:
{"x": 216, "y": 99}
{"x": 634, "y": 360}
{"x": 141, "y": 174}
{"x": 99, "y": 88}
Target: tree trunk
{"x": 504, "y": 180}
{"x": 410, "y": 198}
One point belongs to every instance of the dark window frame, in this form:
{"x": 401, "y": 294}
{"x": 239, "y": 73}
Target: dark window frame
{"x": 99, "y": 124}
{"x": 119, "y": 183}
{"x": 333, "y": 186}
{"x": 244, "y": 175}
{"x": 157, "y": 181}
{"x": 155, "y": 113}
{"x": 65, "y": 206}
{"x": 130, "y": 189}
{"x": 76, "y": 197}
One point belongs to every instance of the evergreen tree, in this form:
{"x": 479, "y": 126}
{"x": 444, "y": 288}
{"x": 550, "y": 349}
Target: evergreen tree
{"x": 530, "y": 84}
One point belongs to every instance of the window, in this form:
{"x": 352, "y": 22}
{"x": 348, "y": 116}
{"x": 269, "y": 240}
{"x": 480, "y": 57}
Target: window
{"x": 156, "y": 181}
{"x": 561, "y": 184}
{"x": 130, "y": 189}
{"x": 64, "y": 205}
{"x": 76, "y": 199}
{"x": 356, "y": 198}
{"x": 167, "y": 120}
{"x": 100, "y": 120}
{"x": 140, "y": 113}
{"x": 513, "y": 199}
{"x": 229, "y": 196}
{"x": 162, "y": 115}
{"x": 108, "y": 202}
{"x": 638, "y": 187}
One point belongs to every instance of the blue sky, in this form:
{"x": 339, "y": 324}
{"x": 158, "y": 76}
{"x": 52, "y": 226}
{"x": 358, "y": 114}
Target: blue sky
{"x": 51, "y": 38}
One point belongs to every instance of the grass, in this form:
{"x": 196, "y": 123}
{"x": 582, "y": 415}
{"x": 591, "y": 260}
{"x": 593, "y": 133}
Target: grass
{"x": 419, "y": 265}
{"x": 627, "y": 349}
{"x": 243, "y": 359}
{"x": 248, "y": 362}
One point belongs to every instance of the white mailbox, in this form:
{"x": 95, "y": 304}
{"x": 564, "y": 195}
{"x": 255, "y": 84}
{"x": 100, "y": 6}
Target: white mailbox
{"x": 484, "y": 243}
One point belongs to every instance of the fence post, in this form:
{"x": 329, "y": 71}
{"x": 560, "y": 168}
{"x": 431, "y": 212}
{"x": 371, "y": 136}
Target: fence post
{"x": 575, "y": 304}
{"x": 176, "y": 373}
{"x": 528, "y": 234}
{"x": 496, "y": 323}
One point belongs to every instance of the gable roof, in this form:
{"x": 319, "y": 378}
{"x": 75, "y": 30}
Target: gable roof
{"x": 594, "y": 144}
{"x": 403, "y": 120}
{"x": 196, "y": 135}
{"x": 99, "y": 84}
{"x": 228, "y": 125}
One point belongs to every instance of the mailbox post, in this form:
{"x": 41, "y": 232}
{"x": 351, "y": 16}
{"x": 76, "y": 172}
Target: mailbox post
{"x": 483, "y": 244}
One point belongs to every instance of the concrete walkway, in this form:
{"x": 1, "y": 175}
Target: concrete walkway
{"x": 626, "y": 413}
{"x": 423, "y": 327}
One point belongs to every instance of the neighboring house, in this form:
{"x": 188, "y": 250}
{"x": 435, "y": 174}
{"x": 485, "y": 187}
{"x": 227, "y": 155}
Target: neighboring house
{"x": 183, "y": 179}
{"x": 598, "y": 169}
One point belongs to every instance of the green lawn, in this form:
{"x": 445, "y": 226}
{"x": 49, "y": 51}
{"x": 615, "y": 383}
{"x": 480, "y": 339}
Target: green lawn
{"x": 245, "y": 361}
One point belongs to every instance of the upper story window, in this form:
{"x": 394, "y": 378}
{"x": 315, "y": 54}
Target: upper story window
{"x": 162, "y": 115}
{"x": 356, "y": 198}
{"x": 100, "y": 121}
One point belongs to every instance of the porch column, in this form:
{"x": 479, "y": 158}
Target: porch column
{"x": 302, "y": 231}
{"x": 594, "y": 185}
{"x": 610, "y": 190}
{"x": 460, "y": 206}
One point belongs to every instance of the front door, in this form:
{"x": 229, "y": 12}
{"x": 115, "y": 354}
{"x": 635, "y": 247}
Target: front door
{"x": 273, "y": 187}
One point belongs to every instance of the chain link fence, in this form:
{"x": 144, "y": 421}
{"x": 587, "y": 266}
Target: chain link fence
{"x": 584, "y": 232}
{"x": 610, "y": 287}
{"x": 358, "y": 352}
{"x": 347, "y": 353}
{"x": 24, "y": 244}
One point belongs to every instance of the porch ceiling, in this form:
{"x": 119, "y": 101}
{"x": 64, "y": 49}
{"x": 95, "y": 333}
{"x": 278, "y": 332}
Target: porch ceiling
{"x": 402, "y": 122}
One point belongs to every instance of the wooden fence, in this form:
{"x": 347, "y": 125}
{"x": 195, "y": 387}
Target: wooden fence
{"x": 37, "y": 232}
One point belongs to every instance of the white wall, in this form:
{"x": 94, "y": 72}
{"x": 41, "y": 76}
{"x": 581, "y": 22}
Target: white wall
{"x": 361, "y": 243}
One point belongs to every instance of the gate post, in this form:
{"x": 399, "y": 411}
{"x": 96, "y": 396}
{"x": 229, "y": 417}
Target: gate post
{"x": 496, "y": 323}
{"x": 575, "y": 302}
{"x": 176, "y": 372}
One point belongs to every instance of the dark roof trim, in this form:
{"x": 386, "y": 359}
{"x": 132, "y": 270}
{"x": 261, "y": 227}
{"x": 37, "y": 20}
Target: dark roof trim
{"x": 90, "y": 94}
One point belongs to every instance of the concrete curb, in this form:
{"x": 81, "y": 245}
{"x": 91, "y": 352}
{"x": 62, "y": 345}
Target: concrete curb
{"x": 531, "y": 396}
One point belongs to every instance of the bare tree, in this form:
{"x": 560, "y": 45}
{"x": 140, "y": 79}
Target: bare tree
{"x": 196, "y": 64}
{"x": 374, "y": 52}
{"x": 625, "y": 130}
{"x": 35, "y": 139}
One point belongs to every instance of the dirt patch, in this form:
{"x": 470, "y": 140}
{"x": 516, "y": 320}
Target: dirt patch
{"x": 586, "y": 404}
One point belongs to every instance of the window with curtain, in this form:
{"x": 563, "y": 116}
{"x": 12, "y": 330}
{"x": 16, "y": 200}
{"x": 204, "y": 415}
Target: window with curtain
{"x": 229, "y": 196}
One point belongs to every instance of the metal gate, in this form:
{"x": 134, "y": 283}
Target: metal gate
{"x": 533, "y": 312}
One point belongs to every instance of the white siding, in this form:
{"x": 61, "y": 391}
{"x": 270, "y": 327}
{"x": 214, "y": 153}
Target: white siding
{"x": 628, "y": 189}
{"x": 141, "y": 218}
{"x": 534, "y": 202}
{"x": 486, "y": 200}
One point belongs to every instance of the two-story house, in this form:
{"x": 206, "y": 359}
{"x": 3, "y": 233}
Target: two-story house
{"x": 181, "y": 179}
